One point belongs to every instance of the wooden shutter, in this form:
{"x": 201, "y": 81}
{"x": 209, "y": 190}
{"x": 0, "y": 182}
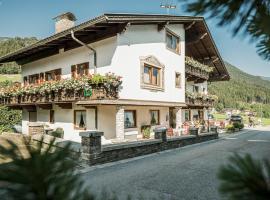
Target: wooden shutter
{"x": 73, "y": 71}
{"x": 25, "y": 80}
{"x": 41, "y": 77}
{"x": 86, "y": 69}
{"x": 58, "y": 73}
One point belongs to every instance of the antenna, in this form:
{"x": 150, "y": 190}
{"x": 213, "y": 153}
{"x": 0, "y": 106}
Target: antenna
{"x": 168, "y": 6}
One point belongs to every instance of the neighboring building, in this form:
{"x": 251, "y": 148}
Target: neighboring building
{"x": 147, "y": 51}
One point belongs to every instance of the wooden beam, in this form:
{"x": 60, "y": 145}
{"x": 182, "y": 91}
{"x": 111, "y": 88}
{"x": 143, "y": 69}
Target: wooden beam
{"x": 45, "y": 106}
{"x": 64, "y": 105}
{"x": 195, "y": 38}
{"x": 190, "y": 25}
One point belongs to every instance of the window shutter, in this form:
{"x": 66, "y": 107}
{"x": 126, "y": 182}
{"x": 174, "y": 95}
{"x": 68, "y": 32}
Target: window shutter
{"x": 25, "y": 80}
{"x": 73, "y": 71}
{"x": 41, "y": 77}
{"x": 58, "y": 73}
{"x": 86, "y": 69}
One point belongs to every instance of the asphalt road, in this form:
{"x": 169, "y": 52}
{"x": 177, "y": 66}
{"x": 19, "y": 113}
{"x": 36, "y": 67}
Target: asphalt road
{"x": 184, "y": 173}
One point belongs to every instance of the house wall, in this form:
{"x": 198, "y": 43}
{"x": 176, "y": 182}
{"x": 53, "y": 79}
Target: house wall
{"x": 121, "y": 55}
{"x": 189, "y": 86}
{"x": 145, "y": 40}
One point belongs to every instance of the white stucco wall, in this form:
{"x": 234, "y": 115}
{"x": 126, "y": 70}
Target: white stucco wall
{"x": 189, "y": 86}
{"x": 121, "y": 55}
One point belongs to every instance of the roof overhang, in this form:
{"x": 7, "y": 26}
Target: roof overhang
{"x": 200, "y": 43}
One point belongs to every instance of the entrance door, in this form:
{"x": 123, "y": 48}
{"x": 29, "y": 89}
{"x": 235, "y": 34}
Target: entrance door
{"x": 32, "y": 116}
{"x": 172, "y": 117}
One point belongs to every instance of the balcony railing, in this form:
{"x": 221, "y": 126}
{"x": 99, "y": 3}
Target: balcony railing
{"x": 68, "y": 90}
{"x": 198, "y": 99}
{"x": 197, "y": 69}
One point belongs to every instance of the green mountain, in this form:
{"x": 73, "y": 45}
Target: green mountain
{"x": 8, "y": 45}
{"x": 243, "y": 91}
{"x": 265, "y": 78}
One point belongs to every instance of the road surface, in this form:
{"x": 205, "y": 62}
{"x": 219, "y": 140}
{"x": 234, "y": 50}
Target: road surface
{"x": 184, "y": 173}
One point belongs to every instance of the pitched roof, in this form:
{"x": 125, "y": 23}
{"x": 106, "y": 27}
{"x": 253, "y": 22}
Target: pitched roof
{"x": 199, "y": 42}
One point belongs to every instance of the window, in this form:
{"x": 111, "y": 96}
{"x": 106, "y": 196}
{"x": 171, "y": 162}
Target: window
{"x": 80, "y": 119}
{"x": 187, "y": 115}
{"x": 177, "y": 80}
{"x": 51, "y": 116}
{"x": 130, "y": 118}
{"x": 34, "y": 79}
{"x": 80, "y": 70}
{"x": 172, "y": 42}
{"x": 154, "y": 116}
{"x": 53, "y": 75}
{"x": 195, "y": 88}
{"x": 151, "y": 75}
{"x": 32, "y": 116}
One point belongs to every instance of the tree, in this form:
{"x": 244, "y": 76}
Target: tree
{"x": 245, "y": 178}
{"x": 40, "y": 172}
{"x": 248, "y": 16}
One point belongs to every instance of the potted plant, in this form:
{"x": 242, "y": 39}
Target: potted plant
{"x": 146, "y": 131}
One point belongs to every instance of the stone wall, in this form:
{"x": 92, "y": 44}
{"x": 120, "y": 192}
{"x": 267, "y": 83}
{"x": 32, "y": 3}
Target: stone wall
{"x": 35, "y": 128}
{"x": 115, "y": 152}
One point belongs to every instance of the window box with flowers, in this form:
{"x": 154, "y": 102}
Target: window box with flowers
{"x": 101, "y": 86}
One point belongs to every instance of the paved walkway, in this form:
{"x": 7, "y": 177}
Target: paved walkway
{"x": 184, "y": 173}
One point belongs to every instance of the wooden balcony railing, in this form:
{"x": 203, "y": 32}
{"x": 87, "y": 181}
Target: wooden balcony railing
{"x": 95, "y": 88}
{"x": 197, "y": 99}
{"x": 192, "y": 71}
{"x": 195, "y": 69}
{"x": 199, "y": 102}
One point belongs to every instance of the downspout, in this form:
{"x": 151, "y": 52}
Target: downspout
{"x": 88, "y": 47}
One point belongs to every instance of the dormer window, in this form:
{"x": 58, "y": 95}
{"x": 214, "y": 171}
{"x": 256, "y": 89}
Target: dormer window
{"x": 172, "y": 42}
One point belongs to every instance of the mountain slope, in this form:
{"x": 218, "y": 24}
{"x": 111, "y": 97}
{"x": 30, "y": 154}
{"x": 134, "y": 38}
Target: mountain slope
{"x": 8, "y": 45}
{"x": 243, "y": 91}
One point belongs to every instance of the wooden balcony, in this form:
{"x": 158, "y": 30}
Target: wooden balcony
{"x": 99, "y": 93}
{"x": 199, "y": 102}
{"x": 196, "y": 71}
{"x": 62, "y": 91}
{"x": 195, "y": 74}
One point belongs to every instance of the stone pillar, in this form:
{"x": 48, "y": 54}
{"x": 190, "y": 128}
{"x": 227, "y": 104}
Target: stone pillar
{"x": 120, "y": 126}
{"x": 91, "y": 143}
{"x": 179, "y": 120}
{"x": 205, "y": 113}
{"x": 161, "y": 133}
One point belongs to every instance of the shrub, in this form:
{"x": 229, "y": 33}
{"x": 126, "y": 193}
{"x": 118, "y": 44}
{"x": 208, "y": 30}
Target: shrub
{"x": 146, "y": 131}
{"x": 59, "y": 132}
{"x": 45, "y": 174}
{"x": 241, "y": 126}
{"x": 9, "y": 118}
{"x": 230, "y": 128}
{"x": 236, "y": 125}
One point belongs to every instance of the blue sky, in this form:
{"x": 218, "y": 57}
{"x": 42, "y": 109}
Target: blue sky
{"x": 26, "y": 18}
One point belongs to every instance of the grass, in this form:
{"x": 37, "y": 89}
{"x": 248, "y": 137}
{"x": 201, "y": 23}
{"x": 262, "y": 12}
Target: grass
{"x": 220, "y": 116}
{"x": 10, "y": 77}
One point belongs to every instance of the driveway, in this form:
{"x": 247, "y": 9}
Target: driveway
{"x": 184, "y": 173}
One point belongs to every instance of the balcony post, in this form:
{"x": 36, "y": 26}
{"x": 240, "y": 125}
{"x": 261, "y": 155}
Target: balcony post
{"x": 179, "y": 120}
{"x": 119, "y": 117}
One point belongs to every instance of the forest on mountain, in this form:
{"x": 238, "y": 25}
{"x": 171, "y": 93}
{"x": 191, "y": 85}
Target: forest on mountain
{"x": 8, "y": 45}
{"x": 243, "y": 92}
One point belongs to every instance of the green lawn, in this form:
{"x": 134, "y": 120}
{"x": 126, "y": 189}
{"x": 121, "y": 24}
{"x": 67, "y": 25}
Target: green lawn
{"x": 10, "y": 77}
{"x": 220, "y": 116}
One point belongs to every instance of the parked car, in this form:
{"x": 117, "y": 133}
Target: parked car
{"x": 236, "y": 118}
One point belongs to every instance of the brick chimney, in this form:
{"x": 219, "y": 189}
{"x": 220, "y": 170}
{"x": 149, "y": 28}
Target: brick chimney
{"x": 64, "y": 21}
